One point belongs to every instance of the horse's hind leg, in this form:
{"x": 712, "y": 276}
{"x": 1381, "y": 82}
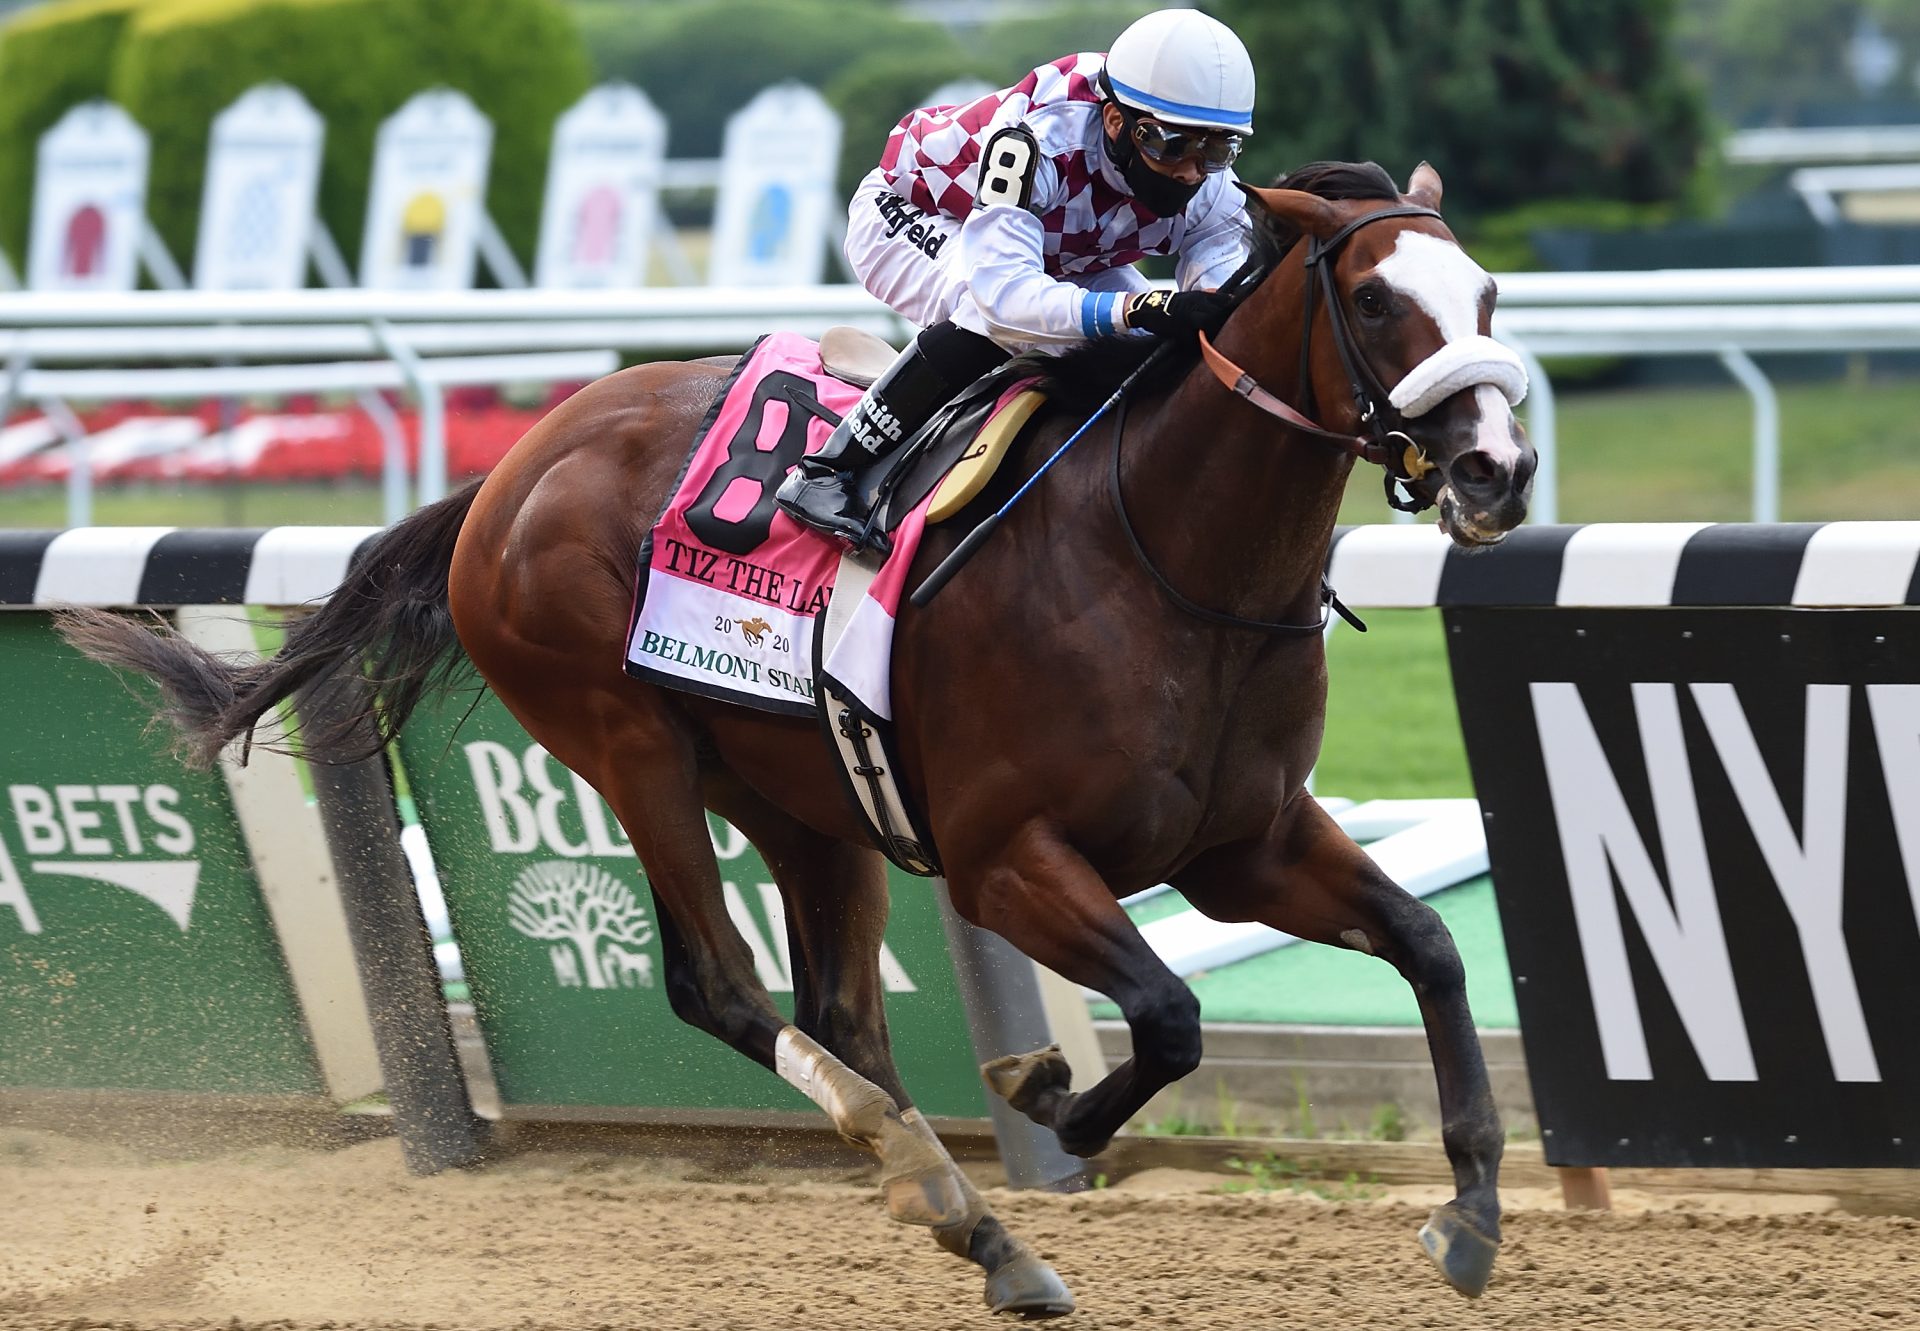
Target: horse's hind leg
{"x": 836, "y": 902}
{"x": 1308, "y": 878}
{"x": 1042, "y": 896}
{"x": 641, "y": 754}
{"x": 654, "y": 789}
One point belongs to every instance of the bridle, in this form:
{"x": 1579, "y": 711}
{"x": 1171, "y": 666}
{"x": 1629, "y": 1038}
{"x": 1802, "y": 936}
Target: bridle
{"x": 1402, "y": 457}
{"x": 1393, "y": 449}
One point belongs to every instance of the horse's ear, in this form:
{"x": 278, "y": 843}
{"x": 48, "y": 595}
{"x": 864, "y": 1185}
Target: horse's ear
{"x": 1424, "y": 187}
{"x": 1294, "y": 209}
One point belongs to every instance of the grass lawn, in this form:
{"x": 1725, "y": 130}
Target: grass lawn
{"x": 1392, "y": 731}
{"x": 320, "y": 503}
{"x": 1642, "y": 455}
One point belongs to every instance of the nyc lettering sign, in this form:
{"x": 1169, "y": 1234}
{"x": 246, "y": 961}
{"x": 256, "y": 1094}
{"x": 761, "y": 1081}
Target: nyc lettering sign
{"x": 1704, "y": 826}
{"x": 89, "y": 202}
{"x": 263, "y": 174}
{"x": 603, "y": 187}
{"x": 776, "y": 206}
{"x": 429, "y": 185}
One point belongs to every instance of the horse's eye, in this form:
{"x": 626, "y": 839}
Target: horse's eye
{"x": 1370, "y": 304}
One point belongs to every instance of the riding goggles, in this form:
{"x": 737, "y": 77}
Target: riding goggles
{"x": 1215, "y": 150}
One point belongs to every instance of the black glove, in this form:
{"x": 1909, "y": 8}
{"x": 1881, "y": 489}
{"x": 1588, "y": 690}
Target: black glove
{"x": 1179, "y": 313}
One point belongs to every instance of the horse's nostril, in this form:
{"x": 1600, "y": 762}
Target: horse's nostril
{"x": 1478, "y": 474}
{"x": 1523, "y": 472}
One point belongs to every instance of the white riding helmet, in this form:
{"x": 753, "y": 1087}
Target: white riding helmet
{"x": 1180, "y": 66}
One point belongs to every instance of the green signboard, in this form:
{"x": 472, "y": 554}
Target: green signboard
{"x": 558, "y": 936}
{"x": 135, "y": 951}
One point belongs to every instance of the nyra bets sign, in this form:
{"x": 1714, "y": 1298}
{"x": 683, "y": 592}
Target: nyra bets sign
{"x": 1704, "y": 825}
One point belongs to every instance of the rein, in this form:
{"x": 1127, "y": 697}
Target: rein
{"x": 1403, "y": 459}
{"x": 1328, "y": 601}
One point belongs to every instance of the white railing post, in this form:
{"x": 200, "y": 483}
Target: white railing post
{"x": 17, "y": 364}
{"x": 433, "y": 413}
{"x": 1766, "y": 432}
{"x": 393, "y": 454}
{"x": 1543, "y": 430}
{"x": 80, "y": 464}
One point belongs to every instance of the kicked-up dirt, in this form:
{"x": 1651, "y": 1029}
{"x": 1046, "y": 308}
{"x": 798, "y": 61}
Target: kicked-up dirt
{"x": 99, "y": 1237}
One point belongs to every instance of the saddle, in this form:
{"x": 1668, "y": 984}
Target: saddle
{"x": 953, "y": 456}
{"x": 728, "y": 605}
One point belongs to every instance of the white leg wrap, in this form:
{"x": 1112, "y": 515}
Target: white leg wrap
{"x": 850, "y": 1100}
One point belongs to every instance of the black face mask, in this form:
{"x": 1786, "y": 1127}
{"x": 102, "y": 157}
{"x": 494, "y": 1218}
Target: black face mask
{"x": 1161, "y": 195}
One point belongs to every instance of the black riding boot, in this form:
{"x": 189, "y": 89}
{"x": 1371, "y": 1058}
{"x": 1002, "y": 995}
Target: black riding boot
{"x": 937, "y": 364}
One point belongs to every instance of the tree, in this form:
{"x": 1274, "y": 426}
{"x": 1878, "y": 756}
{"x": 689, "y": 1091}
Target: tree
{"x": 1512, "y": 100}
{"x": 1774, "y": 60}
{"x": 701, "y": 62}
{"x": 581, "y": 904}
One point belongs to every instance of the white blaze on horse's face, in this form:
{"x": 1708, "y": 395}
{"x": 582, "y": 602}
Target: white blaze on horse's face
{"x": 1440, "y": 277}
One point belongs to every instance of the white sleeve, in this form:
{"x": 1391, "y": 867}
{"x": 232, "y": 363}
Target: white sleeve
{"x": 1126, "y": 278}
{"x": 1216, "y": 241}
{"x": 1002, "y": 251}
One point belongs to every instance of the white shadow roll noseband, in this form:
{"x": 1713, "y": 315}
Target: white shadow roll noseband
{"x": 1461, "y": 363}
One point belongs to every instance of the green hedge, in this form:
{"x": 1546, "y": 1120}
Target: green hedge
{"x": 357, "y": 61}
{"x": 52, "y": 58}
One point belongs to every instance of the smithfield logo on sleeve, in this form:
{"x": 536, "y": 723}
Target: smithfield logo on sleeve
{"x": 129, "y": 836}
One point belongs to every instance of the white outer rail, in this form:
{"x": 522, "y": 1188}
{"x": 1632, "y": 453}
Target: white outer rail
{"x": 1729, "y": 314}
{"x": 785, "y": 307}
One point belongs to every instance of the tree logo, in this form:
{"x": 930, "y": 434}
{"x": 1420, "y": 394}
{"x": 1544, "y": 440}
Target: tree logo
{"x": 599, "y": 931}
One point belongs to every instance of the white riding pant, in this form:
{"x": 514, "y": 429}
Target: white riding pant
{"x": 911, "y": 260}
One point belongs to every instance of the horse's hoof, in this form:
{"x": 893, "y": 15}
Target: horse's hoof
{"x": 1030, "y": 1082}
{"x": 1463, "y": 1254}
{"x": 1028, "y": 1287}
{"x": 932, "y": 1198}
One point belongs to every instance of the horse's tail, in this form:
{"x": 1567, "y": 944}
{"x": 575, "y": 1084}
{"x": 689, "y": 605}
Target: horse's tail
{"x": 389, "y": 620}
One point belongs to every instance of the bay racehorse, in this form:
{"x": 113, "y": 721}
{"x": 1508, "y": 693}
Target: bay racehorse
{"x": 1125, "y": 687}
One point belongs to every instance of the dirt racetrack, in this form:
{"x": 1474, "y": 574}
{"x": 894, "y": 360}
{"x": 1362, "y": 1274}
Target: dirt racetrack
{"x": 99, "y": 1237}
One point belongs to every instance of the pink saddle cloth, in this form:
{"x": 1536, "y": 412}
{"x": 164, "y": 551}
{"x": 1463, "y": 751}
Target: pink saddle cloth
{"x": 729, "y": 586}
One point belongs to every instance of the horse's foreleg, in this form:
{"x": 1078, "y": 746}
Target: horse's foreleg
{"x": 1044, "y": 898}
{"x": 837, "y": 902}
{"x": 1308, "y": 878}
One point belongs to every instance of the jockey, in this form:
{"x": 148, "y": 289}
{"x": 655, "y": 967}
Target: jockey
{"x": 1013, "y": 223}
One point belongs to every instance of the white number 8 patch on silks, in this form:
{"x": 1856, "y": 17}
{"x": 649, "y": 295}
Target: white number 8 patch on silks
{"x": 1006, "y": 168}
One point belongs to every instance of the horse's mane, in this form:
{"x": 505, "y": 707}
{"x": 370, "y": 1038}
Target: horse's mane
{"x": 1080, "y": 379}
